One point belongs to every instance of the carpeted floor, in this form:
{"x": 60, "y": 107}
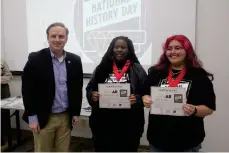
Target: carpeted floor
{"x": 77, "y": 144}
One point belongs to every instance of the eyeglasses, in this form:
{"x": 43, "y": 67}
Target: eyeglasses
{"x": 176, "y": 48}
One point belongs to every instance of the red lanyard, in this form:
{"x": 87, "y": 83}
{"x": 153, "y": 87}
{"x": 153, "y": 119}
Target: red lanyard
{"x": 124, "y": 69}
{"x": 174, "y": 83}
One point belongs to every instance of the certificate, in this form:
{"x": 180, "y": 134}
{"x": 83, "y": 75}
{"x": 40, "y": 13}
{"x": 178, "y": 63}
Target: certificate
{"x": 168, "y": 101}
{"x": 114, "y": 95}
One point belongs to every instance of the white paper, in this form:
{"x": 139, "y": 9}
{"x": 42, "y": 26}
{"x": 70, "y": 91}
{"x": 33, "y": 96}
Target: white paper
{"x": 168, "y": 101}
{"x": 12, "y": 103}
{"x": 114, "y": 95}
{"x": 85, "y": 109}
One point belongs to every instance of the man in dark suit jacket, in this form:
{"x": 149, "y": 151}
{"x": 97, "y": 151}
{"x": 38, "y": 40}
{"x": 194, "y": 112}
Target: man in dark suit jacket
{"x": 52, "y": 92}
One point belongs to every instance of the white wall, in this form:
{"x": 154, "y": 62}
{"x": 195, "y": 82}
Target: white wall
{"x": 14, "y": 31}
{"x": 1, "y": 27}
{"x": 212, "y": 47}
{"x": 213, "y": 50}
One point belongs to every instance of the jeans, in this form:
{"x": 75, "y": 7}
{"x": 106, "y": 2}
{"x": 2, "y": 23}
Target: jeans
{"x": 194, "y": 149}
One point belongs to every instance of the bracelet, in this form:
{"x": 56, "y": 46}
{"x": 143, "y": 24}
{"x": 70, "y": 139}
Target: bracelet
{"x": 194, "y": 113}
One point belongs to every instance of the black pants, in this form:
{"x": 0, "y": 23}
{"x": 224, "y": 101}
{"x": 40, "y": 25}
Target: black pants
{"x": 116, "y": 131}
{"x": 114, "y": 144}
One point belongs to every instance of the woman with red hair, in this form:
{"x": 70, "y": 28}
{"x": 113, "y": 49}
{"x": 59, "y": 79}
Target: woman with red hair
{"x": 179, "y": 67}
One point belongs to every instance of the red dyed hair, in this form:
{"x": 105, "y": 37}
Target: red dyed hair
{"x": 191, "y": 59}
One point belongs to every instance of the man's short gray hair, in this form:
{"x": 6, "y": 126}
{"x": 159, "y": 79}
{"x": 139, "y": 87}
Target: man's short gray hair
{"x": 57, "y": 24}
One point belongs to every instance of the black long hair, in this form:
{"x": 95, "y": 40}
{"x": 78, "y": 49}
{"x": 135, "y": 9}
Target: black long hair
{"x": 105, "y": 66}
